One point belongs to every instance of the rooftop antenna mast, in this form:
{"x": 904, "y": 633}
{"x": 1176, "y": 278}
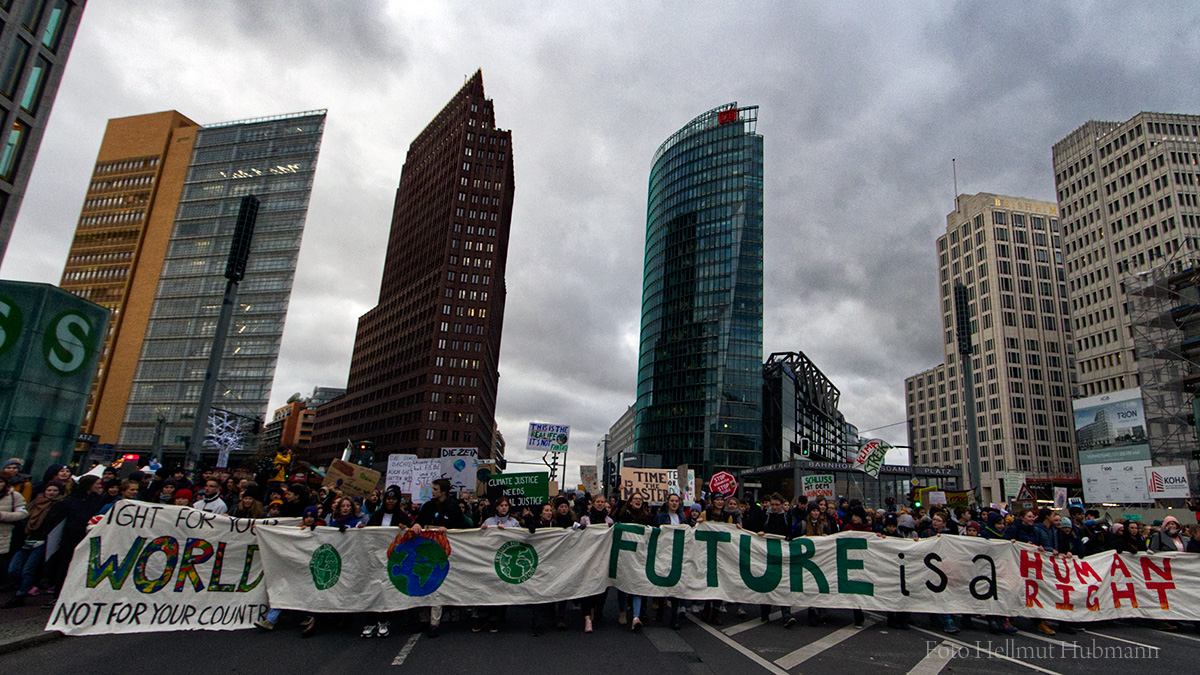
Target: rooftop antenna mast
{"x": 954, "y": 170}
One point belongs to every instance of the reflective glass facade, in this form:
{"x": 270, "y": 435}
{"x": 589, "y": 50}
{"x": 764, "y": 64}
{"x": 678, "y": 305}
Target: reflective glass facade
{"x": 700, "y": 364}
{"x": 273, "y": 158}
{"x": 35, "y": 40}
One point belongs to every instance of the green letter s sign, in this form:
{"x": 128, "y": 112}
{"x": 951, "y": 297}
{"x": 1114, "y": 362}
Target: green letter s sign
{"x": 11, "y": 323}
{"x": 67, "y": 341}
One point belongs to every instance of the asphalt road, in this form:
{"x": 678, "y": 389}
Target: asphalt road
{"x": 740, "y": 646}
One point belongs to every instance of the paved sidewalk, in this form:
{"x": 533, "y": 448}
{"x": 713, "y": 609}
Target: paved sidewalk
{"x": 22, "y": 627}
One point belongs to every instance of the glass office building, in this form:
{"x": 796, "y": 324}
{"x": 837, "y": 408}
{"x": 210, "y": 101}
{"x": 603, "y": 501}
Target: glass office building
{"x": 700, "y": 365}
{"x": 273, "y": 158}
{"x": 36, "y": 37}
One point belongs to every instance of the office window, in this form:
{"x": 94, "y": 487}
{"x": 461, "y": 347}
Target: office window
{"x": 11, "y": 151}
{"x": 35, "y": 85}
{"x": 54, "y": 24}
{"x": 14, "y": 63}
{"x": 33, "y": 14}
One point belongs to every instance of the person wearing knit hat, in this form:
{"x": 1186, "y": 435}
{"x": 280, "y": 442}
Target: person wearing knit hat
{"x": 183, "y": 497}
{"x": 20, "y": 482}
{"x": 1169, "y": 537}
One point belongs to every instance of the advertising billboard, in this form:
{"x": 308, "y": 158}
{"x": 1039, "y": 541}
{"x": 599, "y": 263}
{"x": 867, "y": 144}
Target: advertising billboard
{"x": 1116, "y": 475}
{"x": 1110, "y": 420}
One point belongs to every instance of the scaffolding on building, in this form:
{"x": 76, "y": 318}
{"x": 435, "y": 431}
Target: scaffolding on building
{"x": 1164, "y": 312}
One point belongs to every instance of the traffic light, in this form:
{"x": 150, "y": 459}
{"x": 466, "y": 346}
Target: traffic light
{"x": 364, "y": 453}
{"x": 805, "y": 446}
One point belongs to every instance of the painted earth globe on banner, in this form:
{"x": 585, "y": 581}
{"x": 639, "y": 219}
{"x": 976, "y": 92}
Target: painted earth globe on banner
{"x": 417, "y": 566}
{"x": 460, "y": 465}
{"x": 325, "y": 566}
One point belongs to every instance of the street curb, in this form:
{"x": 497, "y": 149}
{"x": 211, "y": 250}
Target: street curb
{"x": 31, "y": 641}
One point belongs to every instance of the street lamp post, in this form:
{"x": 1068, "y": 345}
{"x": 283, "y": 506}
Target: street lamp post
{"x": 235, "y": 271}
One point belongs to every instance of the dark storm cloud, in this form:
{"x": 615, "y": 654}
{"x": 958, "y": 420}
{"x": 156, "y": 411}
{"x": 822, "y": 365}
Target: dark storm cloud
{"x": 863, "y": 107}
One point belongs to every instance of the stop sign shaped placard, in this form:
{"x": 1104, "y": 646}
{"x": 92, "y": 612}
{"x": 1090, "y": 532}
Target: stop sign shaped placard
{"x": 723, "y": 482}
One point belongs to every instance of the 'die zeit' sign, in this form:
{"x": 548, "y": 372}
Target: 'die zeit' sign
{"x": 548, "y": 437}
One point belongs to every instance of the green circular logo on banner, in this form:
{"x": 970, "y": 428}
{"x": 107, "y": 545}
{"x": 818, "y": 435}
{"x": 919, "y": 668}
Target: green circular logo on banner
{"x": 516, "y": 562}
{"x": 11, "y": 323}
{"x": 325, "y": 566}
{"x": 67, "y": 342}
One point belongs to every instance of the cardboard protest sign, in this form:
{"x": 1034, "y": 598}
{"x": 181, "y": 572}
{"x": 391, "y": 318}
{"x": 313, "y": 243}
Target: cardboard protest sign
{"x": 522, "y": 489}
{"x": 399, "y": 472}
{"x": 425, "y": 471}
{"x": 589, "y": 479}
{"x": 548, "y": 437}
{"x": 354, "y": 480}
{"x": 459, "y": 466}
{"x": 818, "y": 486}
{"x": 653, "y": 484}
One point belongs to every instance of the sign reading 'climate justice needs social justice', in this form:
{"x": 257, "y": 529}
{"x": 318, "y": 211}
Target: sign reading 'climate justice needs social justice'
{"x": 157, "y": 568}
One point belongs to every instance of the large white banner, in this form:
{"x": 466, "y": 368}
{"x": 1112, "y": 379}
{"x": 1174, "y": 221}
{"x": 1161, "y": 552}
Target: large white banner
{"x": 181, "y": 569}
{"x": 388, "y": 568}
{"x": 154, "y": 567}
{"x": 382, "y": 569}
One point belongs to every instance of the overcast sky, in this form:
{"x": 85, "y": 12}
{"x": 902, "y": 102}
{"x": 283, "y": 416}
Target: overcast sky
{"x": 863, "y": 106}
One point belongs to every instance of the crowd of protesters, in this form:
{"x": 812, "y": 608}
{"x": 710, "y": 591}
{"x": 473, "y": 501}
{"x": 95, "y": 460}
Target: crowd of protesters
{"x": 42, "y": 522}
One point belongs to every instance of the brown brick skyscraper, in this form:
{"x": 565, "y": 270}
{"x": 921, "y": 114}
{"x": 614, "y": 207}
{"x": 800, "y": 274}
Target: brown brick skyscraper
{"x": 424, "y": 371}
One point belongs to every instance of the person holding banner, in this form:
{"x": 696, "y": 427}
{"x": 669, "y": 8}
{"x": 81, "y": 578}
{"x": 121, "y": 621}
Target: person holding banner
{"x": 719, "y": 511}
{"x": 635, "y": 511}
{"x": 671, "y": 513}
{"x": 1169, "y": 538}
{"x": 775, "y": 521}
{"x": 493, "y": 617}
{"x": 1130, "y": 539}
{"x": 438, "y": 515}
{"x": 391, "y": 513}
{"x": 593, "y": 605}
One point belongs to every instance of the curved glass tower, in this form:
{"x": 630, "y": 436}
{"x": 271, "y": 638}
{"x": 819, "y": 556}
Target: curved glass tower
{"x": 699, "y": 396}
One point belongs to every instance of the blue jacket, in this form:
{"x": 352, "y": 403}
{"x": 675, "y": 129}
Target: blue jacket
{"x": 1046, "y": 537}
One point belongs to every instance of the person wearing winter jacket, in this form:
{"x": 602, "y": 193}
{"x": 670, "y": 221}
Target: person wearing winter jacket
{"x": 20, "y": 482}
{"x": 45, "y": 514}
{"x": 775, "y": 521}
{"x": 12, "y": 517}
{"x": 1169, "y": 537}
{"x": 85, "y": 501}
{"x": 596, "y": 515}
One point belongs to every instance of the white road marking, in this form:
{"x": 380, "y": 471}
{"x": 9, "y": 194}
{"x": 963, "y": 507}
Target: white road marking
{"x": 992, "y": 654}
{"x": 404, "y": 651}
{"x": 815, "y": 647}
{"x": 770, "y": 667}
{"x": 748, "y": 624}
{"x": 1106, "y": 636}
{"x": 934, "y": 661}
